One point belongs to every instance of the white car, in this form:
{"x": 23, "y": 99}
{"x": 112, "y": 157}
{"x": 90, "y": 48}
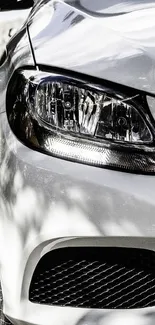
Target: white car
{"x": 77, "y": 176}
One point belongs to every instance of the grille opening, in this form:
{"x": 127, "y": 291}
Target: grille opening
{"x": 95, "y": 277}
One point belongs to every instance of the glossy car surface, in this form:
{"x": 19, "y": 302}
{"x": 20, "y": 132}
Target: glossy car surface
{"x": 48, "y": 202}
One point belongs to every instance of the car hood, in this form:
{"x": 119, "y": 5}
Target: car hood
{"x": 113, "y": 40}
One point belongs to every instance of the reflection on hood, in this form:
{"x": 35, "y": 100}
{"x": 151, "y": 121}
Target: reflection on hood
{"x": 112, "y": 7}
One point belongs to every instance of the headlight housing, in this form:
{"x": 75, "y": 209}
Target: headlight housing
{"x": 101, "y": 124}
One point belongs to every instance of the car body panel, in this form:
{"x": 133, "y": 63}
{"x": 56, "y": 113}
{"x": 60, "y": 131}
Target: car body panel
{"x": 10, "y": 22}
{"x": 18, "y": 55}
{"x": 119, "y": 46}
{"x": 47, "y": 202}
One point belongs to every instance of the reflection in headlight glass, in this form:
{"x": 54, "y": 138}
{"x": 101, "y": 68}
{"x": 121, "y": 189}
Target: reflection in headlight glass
{"x": 89, "y": 112}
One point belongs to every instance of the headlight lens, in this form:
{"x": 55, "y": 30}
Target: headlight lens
{"x": 75, "y": 119}
{"x": 84, "y": 111}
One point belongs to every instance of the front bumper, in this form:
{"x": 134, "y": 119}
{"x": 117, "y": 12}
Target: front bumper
{"x": 46, "y": 202}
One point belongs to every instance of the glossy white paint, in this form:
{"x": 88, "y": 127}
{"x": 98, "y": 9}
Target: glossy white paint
{"x": 117, "y": 45}
{"x": 10, "y": 22}
{"x": 45, "y": 202}
{"x": 14, "y": 15}
{"x": 48, "y": 199}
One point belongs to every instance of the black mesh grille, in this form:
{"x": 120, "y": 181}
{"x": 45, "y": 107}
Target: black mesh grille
{"x": 95, "y": 278}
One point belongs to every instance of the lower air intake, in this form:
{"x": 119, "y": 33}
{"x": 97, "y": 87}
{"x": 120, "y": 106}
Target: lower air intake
{"x": 95, "y": 278}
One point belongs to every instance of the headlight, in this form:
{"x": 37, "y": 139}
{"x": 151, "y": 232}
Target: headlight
{"x": 98, "y": 124}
